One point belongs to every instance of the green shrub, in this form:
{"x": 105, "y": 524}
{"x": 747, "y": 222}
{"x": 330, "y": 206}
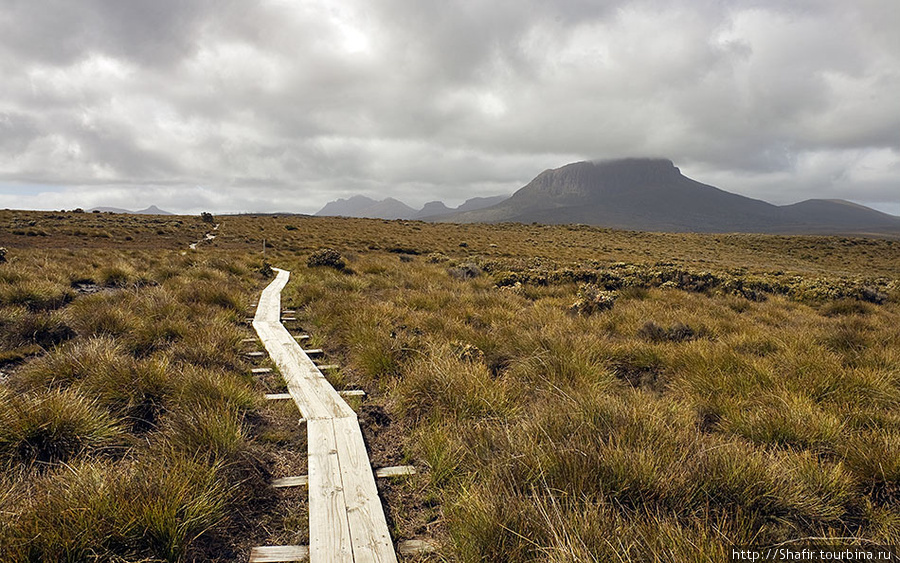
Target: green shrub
{"x": 327, "y": 258}
{"x": 592, "y": 299}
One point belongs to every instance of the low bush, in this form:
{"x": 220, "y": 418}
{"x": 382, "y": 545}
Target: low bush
{"x": 592, "y": 299}
{"x": 327, "y": 258}
{"x": 679, "y": 332}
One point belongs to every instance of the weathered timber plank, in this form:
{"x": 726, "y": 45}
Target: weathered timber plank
{"x": 279, "y": 553}
{"x": 295, "y": 481}
{"x": 352, "y": 393}
{"x": 328, "y": 366}
{"x": 260, "y": 370}
{"x": 278, "y": 396}
{"x": 395, "y": 471}
{"x": 368, "y": 527}
{"x": 415, "y": 547}
{"x": 381, "y": 473}
{"x": 329, "y": 529}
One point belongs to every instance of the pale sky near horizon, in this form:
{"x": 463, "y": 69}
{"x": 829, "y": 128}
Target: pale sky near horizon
{"x": 285, "y": 105}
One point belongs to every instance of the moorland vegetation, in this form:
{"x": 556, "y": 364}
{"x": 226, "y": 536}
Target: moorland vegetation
{"x": 571, "y": 393}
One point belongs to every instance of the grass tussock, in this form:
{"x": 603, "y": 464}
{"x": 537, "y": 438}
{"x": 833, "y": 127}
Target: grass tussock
{"x": 123, "y": 433}
{"x": 52, "y": 427}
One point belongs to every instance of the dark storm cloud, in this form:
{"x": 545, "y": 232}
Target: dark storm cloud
{"x": 281, "y": 105}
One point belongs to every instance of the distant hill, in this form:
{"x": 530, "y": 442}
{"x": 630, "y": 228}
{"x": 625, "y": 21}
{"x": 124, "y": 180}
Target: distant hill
{"x": 362, "y": 206}
{"x": 152, "y": 210}
{"x": 431, "y": 209}
{"x": 390, "y": 208}
{"x": 653, "y": 195}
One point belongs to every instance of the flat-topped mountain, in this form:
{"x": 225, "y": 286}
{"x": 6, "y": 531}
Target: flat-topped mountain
{"x": 362, "y": 206}
{"x": 653, "y": 195}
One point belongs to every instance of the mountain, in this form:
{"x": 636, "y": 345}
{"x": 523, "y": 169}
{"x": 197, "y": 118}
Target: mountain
{"x": 390, "y": 208}
{"x": 362, "y": 206}
{"x": 477, "y": 203}
{"x": 653, "y": 195}
{"x": 431, "y": 209}
{"x": 152, "y": 210}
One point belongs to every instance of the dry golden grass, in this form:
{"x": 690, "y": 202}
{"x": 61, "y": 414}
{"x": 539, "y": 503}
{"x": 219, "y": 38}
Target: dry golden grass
{"x": 740, "y": 389}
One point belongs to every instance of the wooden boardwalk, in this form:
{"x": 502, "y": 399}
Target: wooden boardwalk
{"x": 346, "y": 519}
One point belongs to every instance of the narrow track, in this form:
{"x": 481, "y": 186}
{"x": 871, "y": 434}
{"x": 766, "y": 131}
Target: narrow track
{"x": 346, "y": 519}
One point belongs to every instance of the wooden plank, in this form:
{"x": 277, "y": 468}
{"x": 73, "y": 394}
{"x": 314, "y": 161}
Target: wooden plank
{"x": 248, "y": 340}
{"x": 415, "y": 547}
{"x": 296, "y": 481}
{"x": 328, "y": 366}
{"x": 255, "y": 354}
{"x": 279, "y": 553}
{"x": 314, "y": 352}
{"x": 288, "y": 319}
{"x": 381, "y": 473}
{"x": 395, "y": 471}
{"x": 288, "y": 312}
{"x": 260, "y": 370}
{"x": 329, "y": 528}
{"x": 278, "y": 396}
{"x": 302, "y": 337}
{"x": 368, "y": 527}
{"x": 352, "y": 393}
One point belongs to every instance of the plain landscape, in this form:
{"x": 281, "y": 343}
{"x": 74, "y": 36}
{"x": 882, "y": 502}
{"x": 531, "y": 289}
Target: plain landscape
{"x": 567, "y": 392}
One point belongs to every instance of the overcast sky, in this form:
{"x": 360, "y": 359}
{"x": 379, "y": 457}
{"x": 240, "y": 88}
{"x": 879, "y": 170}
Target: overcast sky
{"x": 284, "y": 105}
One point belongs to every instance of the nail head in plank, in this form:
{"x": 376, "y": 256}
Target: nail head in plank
{"x": 352, "y": 393}
{"x": 278, "y": 396}
{"x": 295, "y": 481}
{"x": 279, "y": 553}
{"x": 395, "y": 471}
{"x": 415, "y": 547}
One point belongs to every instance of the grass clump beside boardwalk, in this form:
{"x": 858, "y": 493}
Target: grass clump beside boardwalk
{"x": 127, "y": 438}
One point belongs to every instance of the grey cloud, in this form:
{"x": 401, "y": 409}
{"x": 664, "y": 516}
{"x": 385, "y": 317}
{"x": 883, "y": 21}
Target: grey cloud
{"x": 286, "y": 105}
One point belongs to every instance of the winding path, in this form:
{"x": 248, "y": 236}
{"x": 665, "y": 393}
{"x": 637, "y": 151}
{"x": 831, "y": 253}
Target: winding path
{"x": 346, "y": 519}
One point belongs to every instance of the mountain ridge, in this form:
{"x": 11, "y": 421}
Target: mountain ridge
{"x": 389, "y": 208}
{"x": 651, "y": 194}
{"x": 152, "y": 210}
